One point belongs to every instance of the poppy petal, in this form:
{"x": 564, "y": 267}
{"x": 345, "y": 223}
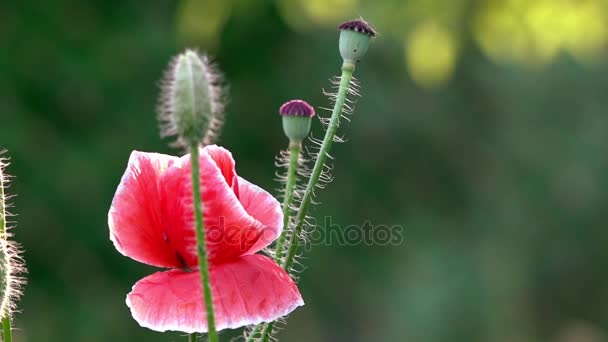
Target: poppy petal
{"x": 224, "y": 161}
{"x": 249, "y": 290}
{"x": 265, "y": 209}
{"x": 240, "y": 218}
{"x": 151, "y": 219}
{"x": 135, "y": 217}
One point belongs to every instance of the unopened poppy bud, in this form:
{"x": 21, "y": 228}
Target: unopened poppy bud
{"x": 355, "y": 36}
{"x": 192, "y": 98}
{"x": 297, "y": 115}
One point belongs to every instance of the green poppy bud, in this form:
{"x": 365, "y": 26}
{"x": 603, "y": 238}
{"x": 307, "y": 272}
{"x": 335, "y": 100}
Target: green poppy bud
{"x": 355, "y": 37}
{"x": 192, "y": 100}
{"x": 297, "y": 115}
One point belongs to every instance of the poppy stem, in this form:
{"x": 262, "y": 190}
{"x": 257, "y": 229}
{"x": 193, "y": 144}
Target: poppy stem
{"x": 267, "y": 332}
{"x": 7, "y": 335}
{"x": 193, "y": 337}
{"x": 292, "y": 175}
{"x": 201, "y": 242}
{"x": 347, "y": 73}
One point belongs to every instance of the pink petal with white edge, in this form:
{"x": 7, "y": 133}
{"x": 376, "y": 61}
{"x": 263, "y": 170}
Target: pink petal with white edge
{"x": 135, "y": 217}
{"x": 265, "y": 209}
{"x": 249, "y": 290}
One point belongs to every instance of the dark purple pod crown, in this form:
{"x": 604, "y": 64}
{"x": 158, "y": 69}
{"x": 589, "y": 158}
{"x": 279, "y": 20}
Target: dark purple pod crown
{"x": 297, "y": 108}
{"x": 358, "y": 25}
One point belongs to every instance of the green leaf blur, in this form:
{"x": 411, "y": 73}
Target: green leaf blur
{"x": 482, "y": 131}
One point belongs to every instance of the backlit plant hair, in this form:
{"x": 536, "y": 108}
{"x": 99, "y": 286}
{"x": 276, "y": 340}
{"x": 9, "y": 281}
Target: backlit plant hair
{"x": 12, "y": 266}
{"x": 355, "y": 38}
{"x": 192, "y": 101}
{"x": 296, "y": 116}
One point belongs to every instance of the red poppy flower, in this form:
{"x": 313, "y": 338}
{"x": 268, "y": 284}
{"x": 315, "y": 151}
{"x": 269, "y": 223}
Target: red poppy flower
{"x": 151, "y": 220}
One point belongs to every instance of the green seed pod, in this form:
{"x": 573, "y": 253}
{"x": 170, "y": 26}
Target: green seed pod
{"x": 297, "y": 115}
{"x": 11, "y": 264}
{"x": 192, "y": 100}
{"x": 355, "y": 37}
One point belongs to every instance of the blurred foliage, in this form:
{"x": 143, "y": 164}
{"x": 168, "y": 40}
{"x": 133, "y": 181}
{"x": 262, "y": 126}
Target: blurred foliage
{"x": 482, "y": 131}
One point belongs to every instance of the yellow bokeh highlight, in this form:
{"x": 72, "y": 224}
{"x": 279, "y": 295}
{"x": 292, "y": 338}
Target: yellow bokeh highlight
{"x": 305, "y": 15}
{"x": 450, "y": 11}
{"x": 291, "y": 12}
{"x": 200, "y": 21}
{"x": 585, "y": 29}
{"x": 328, "y": 11}
{"x": 431, "y": 51}
{"x": 535, "y": 32}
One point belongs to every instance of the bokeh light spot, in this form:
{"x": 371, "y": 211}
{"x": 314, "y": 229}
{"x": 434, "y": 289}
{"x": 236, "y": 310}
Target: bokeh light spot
{"x": 328, "y": 11}
{"x": 430, "y": 53}
{"x": 201, "y": 21}
{"x": 535, "y": 32}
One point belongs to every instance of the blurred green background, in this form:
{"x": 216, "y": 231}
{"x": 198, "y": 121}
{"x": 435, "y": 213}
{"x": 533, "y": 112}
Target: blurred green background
{"x": 482, "y": 131}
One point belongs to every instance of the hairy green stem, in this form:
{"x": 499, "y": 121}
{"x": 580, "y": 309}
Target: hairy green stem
{"x": 193, "y": 337}
{"x": 347, "y": 73}
{"x": 267, "y": 331}
{"x": 7, "y": 334}
{"x": 292, "y": 174}
{"x": 201, "y": 242}
{"x": 2, "y": 205}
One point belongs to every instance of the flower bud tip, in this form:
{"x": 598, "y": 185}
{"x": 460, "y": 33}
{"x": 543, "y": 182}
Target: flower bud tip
{"x": 192, "y": 100}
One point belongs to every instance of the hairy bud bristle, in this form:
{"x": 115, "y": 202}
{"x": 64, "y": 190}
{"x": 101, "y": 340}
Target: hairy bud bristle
{"x": 192, "y": 102}
{"x": 11, "y": 264}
